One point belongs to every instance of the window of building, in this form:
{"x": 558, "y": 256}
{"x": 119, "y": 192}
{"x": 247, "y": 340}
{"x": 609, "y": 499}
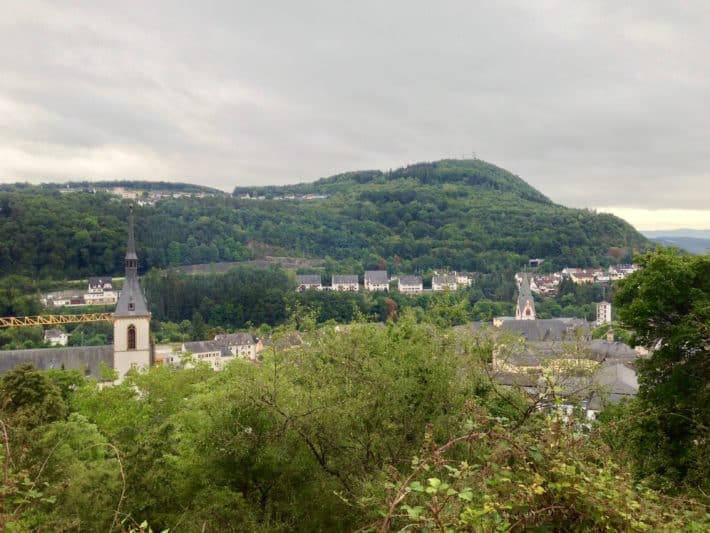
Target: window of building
{"x": 131, "y": 337}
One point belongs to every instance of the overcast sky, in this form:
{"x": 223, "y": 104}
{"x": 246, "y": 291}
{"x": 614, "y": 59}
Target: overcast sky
{"x": 597, "y": 104}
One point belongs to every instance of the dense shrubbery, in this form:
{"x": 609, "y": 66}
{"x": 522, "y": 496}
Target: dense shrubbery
{"x": 341, "y": 433}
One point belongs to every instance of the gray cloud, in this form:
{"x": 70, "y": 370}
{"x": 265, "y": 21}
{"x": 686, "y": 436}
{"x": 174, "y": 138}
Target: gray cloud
{"x": 594, "y": 103}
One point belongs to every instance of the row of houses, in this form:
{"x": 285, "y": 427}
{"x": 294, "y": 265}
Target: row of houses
{"x": 216, "y": 352}
{"x": 100, "y": 291}
{"x": 549, "y": 284}
{"x": 582, "y": 276}
{"x": 247, "y": 196}
{"x": 379, "y": 280}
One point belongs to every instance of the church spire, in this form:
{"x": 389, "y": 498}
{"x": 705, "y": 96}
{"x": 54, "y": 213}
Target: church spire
{"x": 131, "y": 261}
{"x": 525, "y": 310}
{"x": 131, "y": 302}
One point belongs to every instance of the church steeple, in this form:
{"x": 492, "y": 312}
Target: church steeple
{"x": 131, "y": 260}
{"x": 525, "y": 310}
{"x": 131, "y": 319}
{"x": 131, "y": 302}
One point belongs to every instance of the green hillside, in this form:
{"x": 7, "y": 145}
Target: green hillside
{"x": 456, "y": 213}
{"x": 464, "y": 215}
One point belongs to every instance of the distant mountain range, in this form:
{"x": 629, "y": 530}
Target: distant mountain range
{"x": 694, "y": 241}
{"x": 685, "y": 232}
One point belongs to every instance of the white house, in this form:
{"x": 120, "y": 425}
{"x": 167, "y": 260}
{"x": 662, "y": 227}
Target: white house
{"x": 377, "y": 280}
{"x": 463, "y": 278}
{"x": 100, "y": 284}
{"x": 308, "y": 281}
{"x": 244, "y": 345}
{"x": 223, "y": 349}
{"x": 56, "y": 337}
{"x": 209, "y": 352}
{"x": 345, "y": 283}
{"x": 410, "y": 284}
{"x": 100, "y": 291}
{"x": 444, "y": 282}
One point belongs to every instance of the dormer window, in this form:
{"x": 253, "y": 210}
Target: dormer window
{"x": 131, "y": 306}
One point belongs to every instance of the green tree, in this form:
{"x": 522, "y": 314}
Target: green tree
{"x": 667, "y": 306}
{"x": 28, "y": 398}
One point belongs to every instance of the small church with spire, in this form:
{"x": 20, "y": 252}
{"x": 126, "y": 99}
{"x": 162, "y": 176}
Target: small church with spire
{"x": 131, "y": 319}
{"x": 132, "y": 347}
{"x": 525, "y": 310}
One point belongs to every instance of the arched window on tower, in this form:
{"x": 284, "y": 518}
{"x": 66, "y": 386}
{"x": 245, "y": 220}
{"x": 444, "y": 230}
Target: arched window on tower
{"x": 131, "y": 337}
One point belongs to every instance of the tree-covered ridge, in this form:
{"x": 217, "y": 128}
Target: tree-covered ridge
{"x": 165, "y": 186}
{"x": 452, "y": 214}
{"x": 448, "y": 171}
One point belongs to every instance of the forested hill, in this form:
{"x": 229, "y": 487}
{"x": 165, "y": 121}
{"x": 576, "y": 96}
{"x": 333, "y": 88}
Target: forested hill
{"x": 464, "y": 215}
{"x": 475, "y": 173}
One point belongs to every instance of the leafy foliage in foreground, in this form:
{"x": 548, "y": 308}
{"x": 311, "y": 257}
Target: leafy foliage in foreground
{"x": 665, "y": 431}
{"x": 314, "y": 438}
{"x": 553, "y": 476}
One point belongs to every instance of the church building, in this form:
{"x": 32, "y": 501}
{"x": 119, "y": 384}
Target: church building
{"x": 525, "y": 310}
{"x": 131, "y": 320}
{"x": 131, "y": 348}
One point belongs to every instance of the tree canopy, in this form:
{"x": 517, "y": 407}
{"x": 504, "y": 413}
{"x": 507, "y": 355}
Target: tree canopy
{"x": 667, "y": 306}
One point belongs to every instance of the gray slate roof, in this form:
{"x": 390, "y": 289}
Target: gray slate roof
{"x": 546, "y": 330}
{"x": 235, "y": 339}
{"x": 376, "y": 276}
{"x": 131, "y": 302}
{"x": 344, "y": 279}
{"x": 308, "y": 279}
{"x": 131, "y": 294}
{"x": 74, "y": 358}
{"x": 100, "y": 281}
{"x": 198, "y": 347}
{"x": 410, "y": 280}
{"x": 613, "y": 383}
{"x": 613, "y": 351}
{"x": 444, "y": 279}
{"x": 524, "y": 294}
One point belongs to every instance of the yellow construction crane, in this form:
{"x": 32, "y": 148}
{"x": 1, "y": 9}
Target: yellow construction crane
{"x": 48, "y": 320}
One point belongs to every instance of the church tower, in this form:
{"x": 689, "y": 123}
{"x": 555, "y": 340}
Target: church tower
{"x": 525, "y": 310}
{"x": 131, "y": 319}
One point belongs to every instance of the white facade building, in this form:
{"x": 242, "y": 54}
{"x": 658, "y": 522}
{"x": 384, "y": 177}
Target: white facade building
{"x": 308, "y": 281}
{"x": 56, "y": 337}
{"x": 603, "y": 313}
{"x": 444, "y": 282}
{"x": 410, "y": 284}
{"x": 377, "y": 280}
{"x": 345, "y": 283}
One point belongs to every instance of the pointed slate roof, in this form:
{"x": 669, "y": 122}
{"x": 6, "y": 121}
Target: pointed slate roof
{"x": 525, "y": 296}
{"x": 131, "y": 302}
{"x": 131, "y": 246}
